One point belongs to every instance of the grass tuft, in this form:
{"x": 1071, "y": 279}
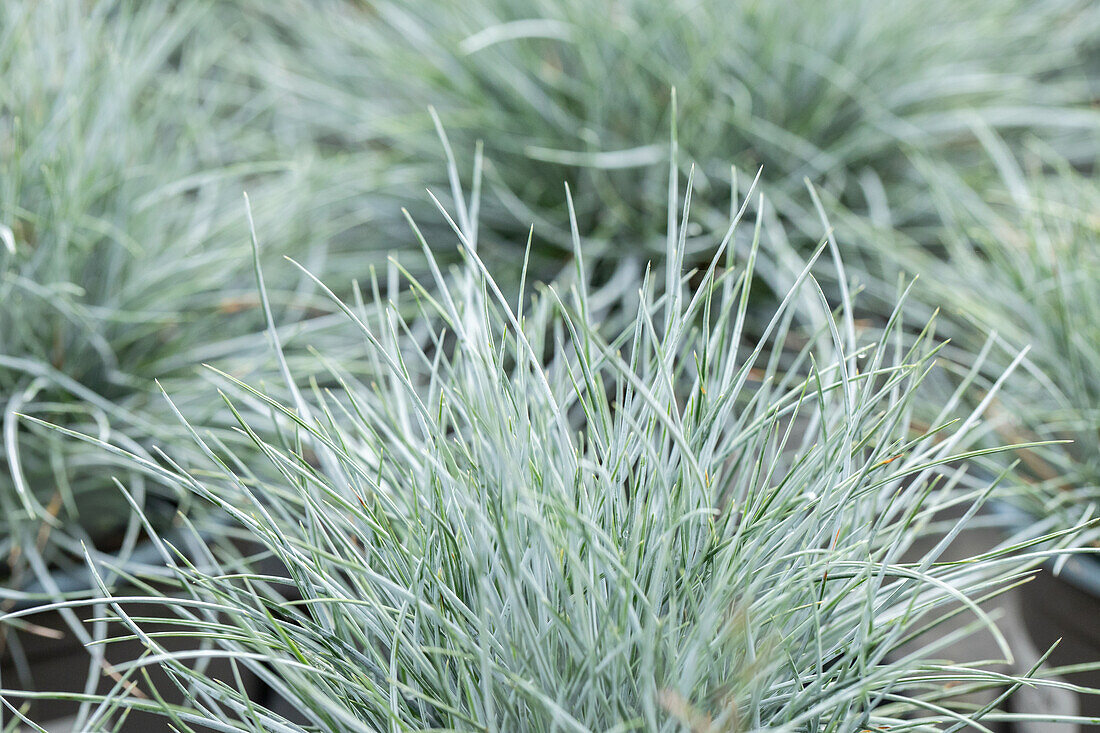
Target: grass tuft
{"x": 567, "y": 514}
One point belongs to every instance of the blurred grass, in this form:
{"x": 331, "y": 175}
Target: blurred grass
{"x": 1021, "y": 270}
{"x": 126, "y": 143}
{"x": 842, "y": 92}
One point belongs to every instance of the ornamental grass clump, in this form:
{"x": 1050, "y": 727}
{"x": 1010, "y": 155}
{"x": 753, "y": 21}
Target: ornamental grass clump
{"x": 578, "y": 510}
{"x": 92, "y": 283}
{"x": 126, "y": 130}
{"x": 837, "y": 91}
{"x": 126, "y": 136}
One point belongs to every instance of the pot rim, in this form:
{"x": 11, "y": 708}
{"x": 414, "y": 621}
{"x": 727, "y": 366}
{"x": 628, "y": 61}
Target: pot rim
{"x": 1080, "y": 571}
{"x": 74, "y": 580}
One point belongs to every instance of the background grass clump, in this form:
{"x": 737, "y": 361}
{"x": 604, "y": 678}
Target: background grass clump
{"x": 126, "y": 137}
{"x": 840, "y": 92}
{"x": 1021, "y": 266}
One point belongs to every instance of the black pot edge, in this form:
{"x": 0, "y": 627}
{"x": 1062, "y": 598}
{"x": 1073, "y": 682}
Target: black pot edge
{"x": 1080, "y": 571}
{"x": 145, "y": 558}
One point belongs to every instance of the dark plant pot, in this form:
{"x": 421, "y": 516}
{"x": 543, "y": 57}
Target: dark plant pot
{"x": 62, "y": 665}
{"x": 56, "y": 661}
{"x": 1061, "y": 605}
{"x": 1067, "y": 607}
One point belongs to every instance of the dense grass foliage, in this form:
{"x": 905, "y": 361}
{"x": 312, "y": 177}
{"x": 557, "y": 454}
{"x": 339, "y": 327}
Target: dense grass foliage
{"x": 603, "y": 465}
{"x": 127, "y": 131}
{"x": 527, "y": 520}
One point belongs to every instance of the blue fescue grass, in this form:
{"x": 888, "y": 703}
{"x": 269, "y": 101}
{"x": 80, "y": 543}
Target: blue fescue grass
{"x": 838, "y": 92}
{"x": 536, "y": 514}
{"x": 125, "y": 140}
